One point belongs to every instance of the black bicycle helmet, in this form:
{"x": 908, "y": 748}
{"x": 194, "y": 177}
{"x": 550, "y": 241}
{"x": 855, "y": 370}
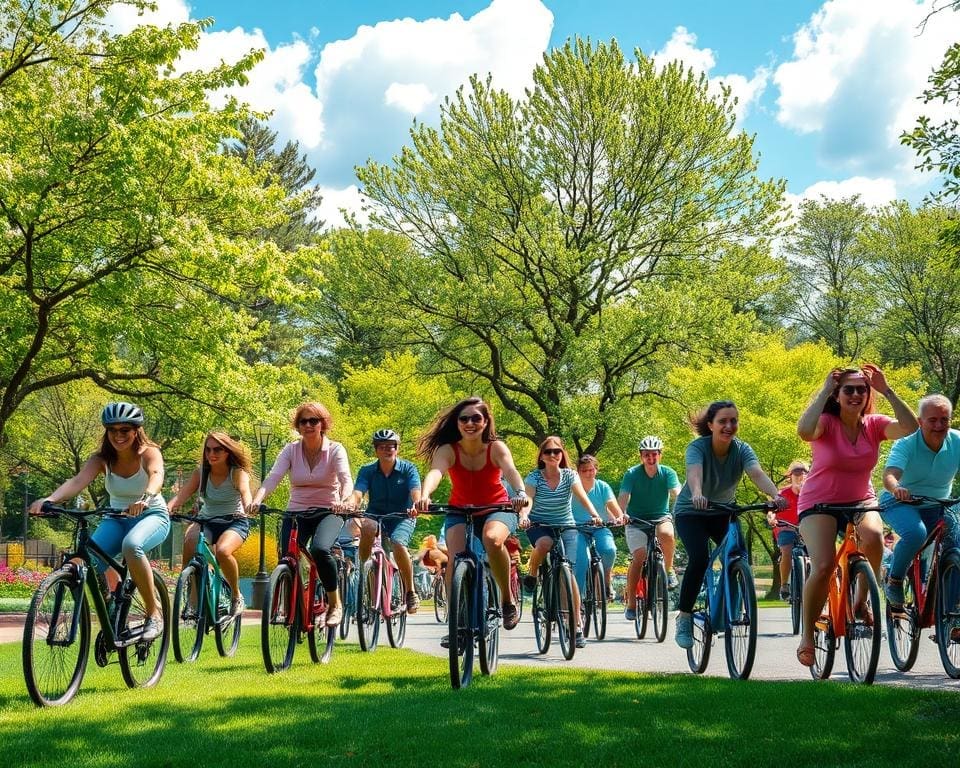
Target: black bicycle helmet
{"x": 386, "y": 436}
{"x": 122, "y": 413}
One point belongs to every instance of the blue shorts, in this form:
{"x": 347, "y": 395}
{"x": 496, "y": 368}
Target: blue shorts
{"x": 214, "y": 529}
{"x": 509, "y": 519}
{"x": 536, "y": 532}
{"x": 397, "y": 529}
{"x": 786, "y": 538}
{"x": 131, "y": 536}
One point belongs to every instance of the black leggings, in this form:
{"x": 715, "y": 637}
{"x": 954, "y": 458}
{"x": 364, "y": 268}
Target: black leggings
{"x": 696, "y": 532}
{"x": 322, "y": 534}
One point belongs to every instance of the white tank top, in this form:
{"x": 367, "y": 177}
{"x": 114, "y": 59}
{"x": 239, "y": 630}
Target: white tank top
{"x": 125, "y": 491}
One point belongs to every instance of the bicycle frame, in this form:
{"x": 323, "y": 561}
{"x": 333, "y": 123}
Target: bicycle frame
{"x": 838, "y": 607}
{"x": 301, "y": 596}
{"x": 654, "y": 555}
{"x": 383, "y": 563}
{"x": 204, "y": 560}
{"x": 730, "y": 549}
{"x": 925, "y": 586}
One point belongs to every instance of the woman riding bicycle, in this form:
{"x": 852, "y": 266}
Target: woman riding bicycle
{"x": 601, "y": 496}
{"x": 845, "y": 436}
{"x": 784, "y": 537}
{"x": 463, "y": 442}
{"x": 716, "y": 461}
{"x": 223, "y": 482}
{"x": 551, "y": 486}
{"x": 319, "y": 477}
{"x": 133, "y": 477}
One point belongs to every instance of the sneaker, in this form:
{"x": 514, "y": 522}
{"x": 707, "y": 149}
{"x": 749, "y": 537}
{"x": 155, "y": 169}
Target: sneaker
{"x": 511, "y": 616}
{"x": 237, "y": 606}
{"x": 784, "y": 591}
{"x": 684, "y": 636}
{"x": 630, "y": 614}
{"x": 529, "y": 582}
{"x": 893, "y": 590}
{"x": 581, "y": 640}
{"x": 152, "y": 628}
{"x": 445, "y": 641}
{"x": 413, "y": 602}
{"x": 672, "y": 581}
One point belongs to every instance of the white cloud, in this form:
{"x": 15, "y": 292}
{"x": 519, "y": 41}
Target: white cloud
{"x": 854, "y": 80}
{"x": 682, "y": 46}
{"x": 410, "y": 97}
{"x": 336, "y": 202}
{"x": 124, "y": 18}
{"x": 872, "y": 192}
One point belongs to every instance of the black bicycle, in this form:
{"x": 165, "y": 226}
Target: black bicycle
{"x": 799, "y": 570}
{"x": 56, "y": 635}
{"x": 553, "y": 597}
{"x": 652, "y": 598}
{"x": 593, "y": 602}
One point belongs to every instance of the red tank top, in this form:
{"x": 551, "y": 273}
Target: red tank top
{"x": 476, "y": 487}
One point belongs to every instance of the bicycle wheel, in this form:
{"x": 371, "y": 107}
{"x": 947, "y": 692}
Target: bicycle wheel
{"x": 368, "y": 608}
{"x": 488, "y": 642}
{"x": 56, "y": 639}
{"x": 517, "y": 591}
{"x": 142, "y": 663}
{"x": 796, "y": 591}
{"x": 279, "y": 621}
{"x": 189, "y": 623}
{"x": 540, "y": 611}
{"x": 948, "y": 613}
{"x": 227, "y": 629}
{"x": 740, "y": 639}
{"x": 320, "y": 632}
{"x": 644, "y": 589}
{"x": 903, "y": 631}
{"x": 460, "y": 635}
{"x": 440, "y": 600}
{"x": 600, "y": 596}
{"x": 564, "y": 610}
{"x": 347, "y": 579}
{"x": 824, "y": 647}
{"x": 862, "y": 640}
{"x": 698, "y": 655}
{"x": 397, "y": 623}
{"x": 659, "y": 605}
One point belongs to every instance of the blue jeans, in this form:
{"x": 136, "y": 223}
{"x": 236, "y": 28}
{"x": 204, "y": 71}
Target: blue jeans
{"x": 606, "y": 548}
{"x": 131, "y": 536}
{"x": 912, "y": 524}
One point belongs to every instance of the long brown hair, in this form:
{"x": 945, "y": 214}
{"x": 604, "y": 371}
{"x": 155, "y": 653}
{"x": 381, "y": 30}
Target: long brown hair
{"x": 564, "y": 458}
{"x": 238, "y": 457}
{"x": 444, "y": 429}
{"x": 109, "y": 454}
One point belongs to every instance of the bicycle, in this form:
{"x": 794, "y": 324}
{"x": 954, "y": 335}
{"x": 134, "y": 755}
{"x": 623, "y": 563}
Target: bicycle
{"x": 553, "y": 598}
{"x": 202, "y": 601}
{"x": 728, "y": 601}
{"x": 799, "y": 570}
{"x": 440, "y": 595}
{"x": 652, "y": 597}
{"x": 593, "y": 603}
{"x": 474, "y": 615}
{"x": 295, "y": 606}
{"x": 930, "y": 589}
{"x": 56, "y": 634}
{"x": 861, "y": 636}
{"x": 382, "y": 595}
{"x": 348, "y": 581}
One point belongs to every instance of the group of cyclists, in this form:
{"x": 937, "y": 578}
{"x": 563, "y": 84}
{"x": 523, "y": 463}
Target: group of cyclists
{"x": 558, "y": 495}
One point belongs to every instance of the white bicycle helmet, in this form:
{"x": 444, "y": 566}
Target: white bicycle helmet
{"x": 121, "y": 413}
{"x": 651, "y": 443}
{"x": 386, "y": 436}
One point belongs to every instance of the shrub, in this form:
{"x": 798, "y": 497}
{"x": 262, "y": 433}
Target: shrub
{"x": 19, "y": 582}
{"x": 248, "y": 556}
{"x": 14, "y": 554}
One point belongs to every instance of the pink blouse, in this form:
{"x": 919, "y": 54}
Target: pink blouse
{"x": 327, "y": 483}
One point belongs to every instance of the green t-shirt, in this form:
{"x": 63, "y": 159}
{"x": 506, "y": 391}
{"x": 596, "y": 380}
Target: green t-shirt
{"x": 649, "y": 496}
{"x": 720, "y": 477}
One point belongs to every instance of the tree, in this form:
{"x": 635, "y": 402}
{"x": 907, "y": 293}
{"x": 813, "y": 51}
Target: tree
{"x": 829, "y": 297}
{"x": 565, "y": 249}
{"x": 130, "y": 238}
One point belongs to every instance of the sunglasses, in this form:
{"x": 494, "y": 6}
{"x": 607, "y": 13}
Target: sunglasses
{"x": 312, "y": 421}
{"x": 854, "y": 389}
{"x": 798, "y": 471}
{"x": 214, "y": 449}
{"x": 378, "y": 446}
{"x": 551, "y": 451}
{"x": 473, "y": 418}
{"x": 120, "y": 431}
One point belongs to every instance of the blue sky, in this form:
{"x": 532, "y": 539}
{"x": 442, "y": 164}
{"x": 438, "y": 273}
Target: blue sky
{"x": 826, "y": 87}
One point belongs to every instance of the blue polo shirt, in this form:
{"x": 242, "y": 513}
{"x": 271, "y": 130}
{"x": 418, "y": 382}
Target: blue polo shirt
{"x": 926, "y": 473}
{"x": 387, "y": 494}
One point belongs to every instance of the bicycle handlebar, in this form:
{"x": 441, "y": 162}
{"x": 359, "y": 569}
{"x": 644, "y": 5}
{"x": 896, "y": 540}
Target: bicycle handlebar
{"x": 49, "y": 509}
{"x": 469, "y": 509}
{"x": 845, "y": 508}
{"x": 215, "y": 519}
{"x": 932, "y": 500}
{"x": 737, "y": 509}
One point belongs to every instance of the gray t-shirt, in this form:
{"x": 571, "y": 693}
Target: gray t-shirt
{"x": 720, "y": 476}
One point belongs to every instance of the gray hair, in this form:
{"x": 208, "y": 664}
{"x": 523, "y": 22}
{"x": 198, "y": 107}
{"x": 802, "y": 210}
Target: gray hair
{"x": 936, "y": 400}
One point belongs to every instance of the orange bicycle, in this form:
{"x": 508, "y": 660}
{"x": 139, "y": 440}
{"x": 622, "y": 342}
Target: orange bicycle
{"x": 841, "y": 618}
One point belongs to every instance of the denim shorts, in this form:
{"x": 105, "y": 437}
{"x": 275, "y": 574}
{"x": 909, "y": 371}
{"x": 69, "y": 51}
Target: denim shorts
{"x": 570, "y": 537}
{"x": 786, "y": 538}
{"x": 509, "y": 519}
{"x": 398, "y": 529}
{"x": 213, "y": 530}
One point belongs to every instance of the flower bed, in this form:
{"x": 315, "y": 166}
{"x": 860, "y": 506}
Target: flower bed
{"x": 19, "y": 582}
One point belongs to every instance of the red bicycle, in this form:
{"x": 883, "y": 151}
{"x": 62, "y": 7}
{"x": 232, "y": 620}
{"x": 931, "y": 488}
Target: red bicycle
{"x": 294, "y": 607}
{"x": 382, "y": 593}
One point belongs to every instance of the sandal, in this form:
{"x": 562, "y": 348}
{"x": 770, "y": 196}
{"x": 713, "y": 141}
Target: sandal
{"x": 807, "y": 655}
{"x": 864, "y": 614}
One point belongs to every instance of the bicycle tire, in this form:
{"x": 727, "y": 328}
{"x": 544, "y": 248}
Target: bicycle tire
{"x": 645, "y": 587}
{"x": 319, "y": 631}
{"x": 947, "y": 610}
{"x": 516, "y": 590}
{"x": 142, "y": 663}
{"x": 698, "y": 655}
{"x": 368, "y": 609}
{"x": 903, "y": 630}
{"x": 659, "y": 602}
{"x": 279, "y": 621}
{"x": 797, "y": 579}
{"x": 539, "y": 609}
{"x": 226, "y": 632}
{"x": 586, "y": 603}
{"x": 440, "y": 600}
{"x": 397, "y": 622}
{"x": 343, "y": 586}
{"x": 460, "y": 637}
{"x": 602, "y": 598}
{"x": 861, "y": 643}
{"x": 53, "y": 673}
{"x": 488, "y": 641}
{"x": 566, "y": 616}
{"x": 740, "y": 638}
{"x": 190, "y": 615}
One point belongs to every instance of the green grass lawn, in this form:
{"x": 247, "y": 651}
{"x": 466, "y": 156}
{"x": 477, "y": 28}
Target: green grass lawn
{"x": 396, "y": 708}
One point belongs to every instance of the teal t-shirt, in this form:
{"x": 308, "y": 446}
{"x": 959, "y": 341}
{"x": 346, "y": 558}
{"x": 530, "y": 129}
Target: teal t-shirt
{"x": 649, "y": 496}
{"x": 720, "y": 477}
{"x": 925, "y": 473}
{"x": 599, "y": 495}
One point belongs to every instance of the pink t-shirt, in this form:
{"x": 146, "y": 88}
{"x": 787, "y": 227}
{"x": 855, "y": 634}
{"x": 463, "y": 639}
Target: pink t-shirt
{"x": 324, "y": 485}
{"x": 840, "y": 472}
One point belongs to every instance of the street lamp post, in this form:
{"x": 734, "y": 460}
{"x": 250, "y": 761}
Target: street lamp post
{"x": 262, "y": 433}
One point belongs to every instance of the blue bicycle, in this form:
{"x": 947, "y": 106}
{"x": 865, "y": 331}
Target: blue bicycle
{"x": 728, "y": 601}
{"x": 474, "y": 615}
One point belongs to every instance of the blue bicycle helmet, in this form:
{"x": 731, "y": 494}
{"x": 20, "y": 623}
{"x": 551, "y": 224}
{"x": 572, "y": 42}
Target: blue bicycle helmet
{"x": 122, "y": 413}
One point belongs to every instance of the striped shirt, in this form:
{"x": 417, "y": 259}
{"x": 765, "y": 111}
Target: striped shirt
{"x": 551, "y": 506}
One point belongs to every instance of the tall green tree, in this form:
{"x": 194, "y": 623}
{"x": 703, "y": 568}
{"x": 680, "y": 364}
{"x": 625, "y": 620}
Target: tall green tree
{"x": 569, "y": 247}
